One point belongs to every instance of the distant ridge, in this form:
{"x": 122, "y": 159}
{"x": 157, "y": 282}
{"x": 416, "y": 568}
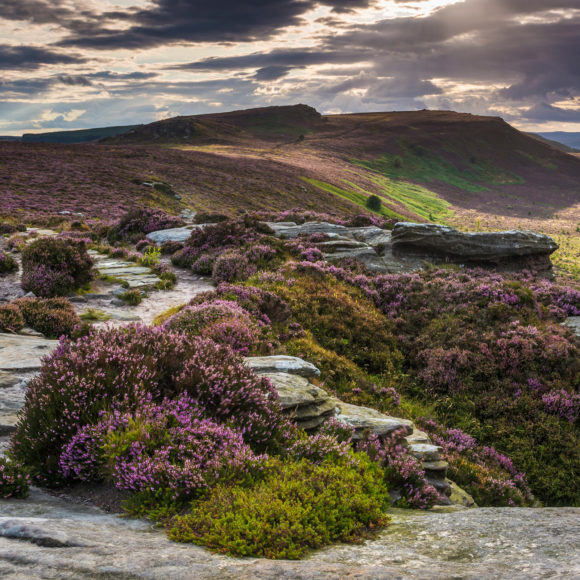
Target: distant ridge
{"x": 78, "y": 136}
{"x": 566, "y": 138}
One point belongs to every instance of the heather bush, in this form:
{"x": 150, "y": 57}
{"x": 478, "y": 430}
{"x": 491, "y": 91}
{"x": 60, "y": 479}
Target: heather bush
{"x": 490, "y": 477}
{"x": 125, "y": 369}
{"x": 8, "y": 228}
{"x": 164, "y": 447}
{"x": 54, "y": 267}
{"x": 297, "y": 506}
{"x": 54, "y": 317}
{"x": 401, "y": 470}
{"x": 232, "y": 266}
{"x": 170, "y": 247}
{"x": 7, "y": 263}
{"x": 204, "y": 265}
{"x": 138, "y": 222}
{"x": 143, "y": 245}
{"x": 14, "y": 479}
{"x": 11, "y": 319}
{"x": 344, "y": 321}
{"x": 223, "y": 321}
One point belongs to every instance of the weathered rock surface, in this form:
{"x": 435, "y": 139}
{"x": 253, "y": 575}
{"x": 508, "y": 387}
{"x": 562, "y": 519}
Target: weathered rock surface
{"x": 510, "y": 248}
{"x": 19, "y": 353}
{"x": 49, "y": 538}
{"x": 289, "y": 230}
{"x": 369, "y": 421}
{"x": 573, "y": 323}
{"x": 281, "y": 364}
{"x": 173, "y": 234}
{"x": 306, "y": 404}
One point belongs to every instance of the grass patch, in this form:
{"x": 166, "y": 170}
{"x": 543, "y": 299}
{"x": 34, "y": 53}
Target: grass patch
{"x": 420, "y": 165}
{"x": 94, "y": 315}
{"x": 353, "y": 196}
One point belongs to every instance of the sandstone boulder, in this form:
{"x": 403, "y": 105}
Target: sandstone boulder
{"x": 511, "y": 249}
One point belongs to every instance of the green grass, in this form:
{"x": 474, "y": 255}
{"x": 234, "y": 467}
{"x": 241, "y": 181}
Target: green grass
{"x": 420, "y": 200}
{"x": 354, "y": 196}
{"x": 567, "y": 257}
{"x": 419, "y": 165}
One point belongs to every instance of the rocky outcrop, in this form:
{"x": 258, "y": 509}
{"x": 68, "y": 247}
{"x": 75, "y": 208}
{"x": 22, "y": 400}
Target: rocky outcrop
{"x": 508, "y": 250}
{"x": 306, "y": 404}
{"x": 310, "y": 406}
{"x": 281, "y": 364}
{"x": 410, "y": 246}
{"x": 173, "y": 234}
{"x": 47, "y": 537}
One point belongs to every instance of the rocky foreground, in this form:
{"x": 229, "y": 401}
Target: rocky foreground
{"x": 48, "y": 537}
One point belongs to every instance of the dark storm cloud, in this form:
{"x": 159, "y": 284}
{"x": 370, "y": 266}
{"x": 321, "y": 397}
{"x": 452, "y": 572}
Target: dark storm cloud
{"x": 174, "y": 21}
{"x": 271, "y": 73}
{"x": 31, "y": 57}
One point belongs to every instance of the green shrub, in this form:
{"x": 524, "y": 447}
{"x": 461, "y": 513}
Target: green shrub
{"x": 374, "y": 203}
{"x": 151, "y": 257}
{"x": 54, "y": 317}
{"x": 11, "y": 319}
{"x": 14, "y": 479}
{"x": 296, "y": 507}
{"x": 55, "y": 267}
{"x": 7, "y": 263}
{"x": 132, "y": 297}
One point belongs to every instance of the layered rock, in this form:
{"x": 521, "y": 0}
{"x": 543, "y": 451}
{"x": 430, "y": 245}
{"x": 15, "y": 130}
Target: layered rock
{"x": 281, "y": 364}
{"x": 306, "y": 404}
{"x": 508, "y": 250}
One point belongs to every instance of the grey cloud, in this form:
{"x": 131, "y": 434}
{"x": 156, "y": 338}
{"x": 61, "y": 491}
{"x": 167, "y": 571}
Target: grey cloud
{"x": 32, "y": 57}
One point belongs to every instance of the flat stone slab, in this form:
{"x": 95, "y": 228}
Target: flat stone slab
{"x": 366, "y": 420}
{"x": 371, "y": 235}
{"x": 8, "y": 380}
{"x": 281, "y": 364}
{"x": 425, "y": 451}
{"x": 23, "y": 353}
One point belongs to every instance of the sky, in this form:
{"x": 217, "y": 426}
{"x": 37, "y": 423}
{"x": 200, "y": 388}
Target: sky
{"x": 74, "y": 64}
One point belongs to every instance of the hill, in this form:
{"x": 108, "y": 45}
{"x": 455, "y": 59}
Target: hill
{"x": 79, "y": 136}
{"x": 566, "y": 138}
{"x": 470, "y": 171}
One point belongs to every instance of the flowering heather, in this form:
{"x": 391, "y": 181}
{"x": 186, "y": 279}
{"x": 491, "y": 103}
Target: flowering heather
{"x": 164, "y": 447}
{"x": 14, "y": 479}
{"x": 563, "y": 404}
{"x": 134, "y": 224}
{"x": 232, "y": 266}
{"x": 54, "y": 267}
{"x": 223, "y": 321}
{"x": 126, "y": 369}
{"x": 11, "y": 319}
{"x": 489, "y": 476}
{"x": 402, "y": 470}
{"x": 317, "y": 448}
